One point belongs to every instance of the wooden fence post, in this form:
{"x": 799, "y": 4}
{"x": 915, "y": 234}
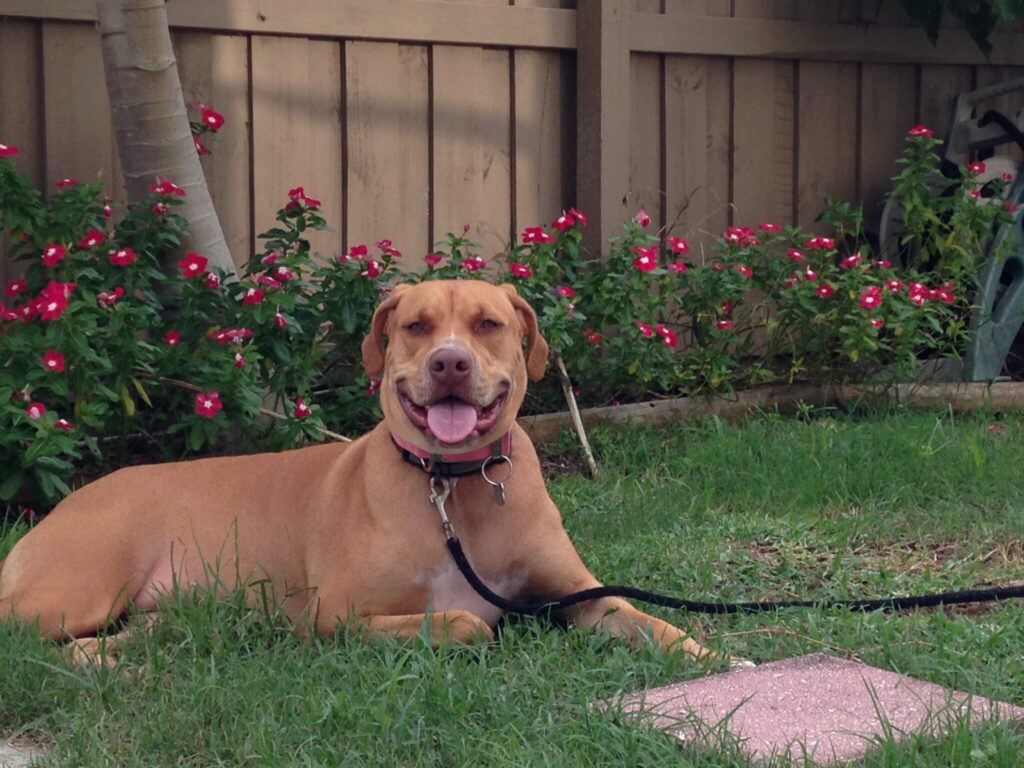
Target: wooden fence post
{"x": 602, "y": 122}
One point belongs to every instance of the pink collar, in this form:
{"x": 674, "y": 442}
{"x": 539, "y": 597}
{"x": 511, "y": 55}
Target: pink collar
{"x": 454, "y": 464}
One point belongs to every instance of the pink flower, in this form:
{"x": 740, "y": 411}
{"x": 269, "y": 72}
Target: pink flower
{"x": 433, "y": 259}
{"x": 870, "y": 298}
{"x": 64, "y": 424}
{"x": 8, "y": 150}
{"x": 825, "y": 290}
{"x": 566, "y": 292}
{"x": 794, "y": 255}
{"x": 122, "y": 257}
{"x": 520, "y": 270}
{"x": 767, "y": 227}
{"x": 35, "y": 411}
{"x": 53, "y": 360}
{"x": 172, "y": 338}
{"x": 301, "y": 409}
{"x": 166, "y": 187}
{"x": 279, "y": 320}
{"x": 66, "y": 183}
{"x": 372, "y": 270}
{"x": 92, "y": 238}
{"x": 974, "y": 194}
{"x": 211, "y": 118}
{"x": 229, "y": 335}
{"x": 1010, "y": 207}
{"x": 239, "y": 360}
{"x": 109, "y": 298}
{"x": 299, "y": 197}
{"x": 198, "y": 141}
{"x": 668, "y": 336}
{"x": 645, "y": 329}
{"x": 386, "y": 247}
{"x": 741, "y": 236}
{"x": 253, "y": 296}
{"x": 1006, "y": 176}
{"x": 976, "y": 168}
{"x": 821, "y": 242}
{"x": 212, "y": 281}
{"x": 159, "y": 209}
{"x": 268, "y": 281}
{"x": 14, "y": 287}
{"x": 894, "y": 286}
{"x": 876, "y": 322}
{"x": 678, "y": 244}
{"x": 473, "y": 263}
{"x": 54, "y": 254}
{"x": 642, "y": 218}
{"x": 724, "y": 325}
{"x": 744, "y": 270}
{"x": 718, "y": 266}
{"x": 850, "y": 261}
{"x": 193, "y": 265}
{"x": 536, "y": 235}
{"x": 271, "y": 258}
{"x": 920, "y": 130}
{"x": 647, "y": 258}
{"x": 208, "y": 404}
{"x": 677, "y": 266}
{"x": 591, "y": 336}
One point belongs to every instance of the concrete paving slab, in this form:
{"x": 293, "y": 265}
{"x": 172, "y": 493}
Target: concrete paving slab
{"x": 17, "y": 754}
{"x": 818, "y": 706}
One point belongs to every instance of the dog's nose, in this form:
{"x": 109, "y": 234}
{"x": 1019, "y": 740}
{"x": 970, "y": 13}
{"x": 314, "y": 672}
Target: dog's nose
{"x": 450, "y": 365}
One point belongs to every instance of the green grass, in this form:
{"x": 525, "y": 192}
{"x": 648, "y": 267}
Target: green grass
{"x": 776, "y": 508}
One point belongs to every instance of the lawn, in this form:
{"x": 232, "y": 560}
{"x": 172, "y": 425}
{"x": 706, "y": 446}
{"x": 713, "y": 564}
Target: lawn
{"x": 828, "y": 506}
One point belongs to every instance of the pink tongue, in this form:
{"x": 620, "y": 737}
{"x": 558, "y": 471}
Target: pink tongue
{"x": 451, "y": 421}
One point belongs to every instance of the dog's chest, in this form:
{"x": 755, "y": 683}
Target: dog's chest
{"x": 447, "y": 589}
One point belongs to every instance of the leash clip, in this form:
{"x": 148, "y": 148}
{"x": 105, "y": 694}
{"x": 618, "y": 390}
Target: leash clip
{"x": 440, "y": 490}
{"x": 497, "y": 485}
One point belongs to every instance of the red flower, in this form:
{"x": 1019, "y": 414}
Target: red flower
{"x": 642, "y": 218}
{"x": 536, "y": 235}
{"x": 741, "y": 236}
{"x": 253, "y": 296}
{"x": 208, "y": 404}
{"x": 159, "y": 209}
{"x": 433, "y": 259}
{"x": 8, "y": 150}
{"x": 745, "y": 271}
{"x": 677, "y": 266}
{"x": 810, "y": 275}
{"x": 1010, "y": 207}
{"x": 298, "y": 196}
{"x": 54, "y": 254}
{"x": 520, "y": 270}
{"x": 107, "y": 210}
{"x": 66, "y": 183}
{"x": 920, "y": 130}
{"x": 35, "y": 411}
{"x": 566, "y": 292}
{"x": 1006, "y": 176}
{"x": 850, "y": 261}
{"x": 821, "y": 242}
{"x": 279, "y": 320}
{"x": 564, "y": 222}
{"x": 166, "y": 187}
{"x": 372, "y": 388}
{"x": 284, "y": 274}
{"x": 212, "y": 281}
{"x": 64, "y": 424}
{"x": 386, "y": 247}
{"x": 198, "y": 141}
{"x": 53, "y": 360}
{"x": 211, "y": 118}
{"x": 581, "y": 219}
{"x": 794, "y": 255}
{"x": 881, "y": 263}
{"x": 473, "y": 264}
{"x": 122, "y": 257}
{"x": 271, "y": 258}
{"x": 825, "y": 290}
{"x": 193, "y": 265}
{"x": 92, "y": 238}
{"x": 917, "y": 293}
{"x": 876, "y": 322}
{"x": 239, "y": 360}
{"x": 870, "y": 298}
{"x": 268, "y": 281}
{"x": 894, "y": 286}
{"x": 727, "y": 307}
{"x": 976, "y": 168}
{"x": 647, "y": 258}
{"x": 591, "y": 336}
{"x": 645, "y": 329}
{"x": 724, "y": 325}
{"x": 302, "y": 410}
{"x": 109, "y": 298}
{"x": 974, "y": 194}
{"x": 668, "y": 336}
{"x": 372, "y": 270}
{"x": 14, "y": 287}
{"x": 172, "y": 338}
{"x": 52, "y": 300}
{"x": 678, "y": 244}
{"x": 357, "y": 252}
{"x": 766, "y": 227}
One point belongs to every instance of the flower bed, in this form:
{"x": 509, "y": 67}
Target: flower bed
{"x": 111, "y": 350}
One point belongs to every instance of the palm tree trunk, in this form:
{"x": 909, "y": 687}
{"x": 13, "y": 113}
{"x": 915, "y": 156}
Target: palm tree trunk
{"x": 153, "y": 135}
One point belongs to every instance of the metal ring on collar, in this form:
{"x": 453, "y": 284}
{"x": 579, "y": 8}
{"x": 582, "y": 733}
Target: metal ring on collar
{"x": 494, "y": 459}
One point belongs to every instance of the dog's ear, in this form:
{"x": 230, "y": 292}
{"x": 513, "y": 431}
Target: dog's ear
{"x": 536, "y": 346}
{"x": 373, "y": 344}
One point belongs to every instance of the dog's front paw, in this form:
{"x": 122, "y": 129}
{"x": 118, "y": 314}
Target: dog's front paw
{"x": 735, "y": 662}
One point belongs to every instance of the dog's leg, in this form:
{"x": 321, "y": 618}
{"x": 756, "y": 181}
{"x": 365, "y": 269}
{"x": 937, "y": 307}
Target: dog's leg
{"x": 448, "y": 627}
{"x": 620, "y": 619}
{"x": 102, "y": 651}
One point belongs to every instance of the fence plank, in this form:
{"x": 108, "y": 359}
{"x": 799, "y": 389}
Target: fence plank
{"x": 940, "y": 85}
{"x": 296, "y": 130}
{"x": 645, "y": 151}
{"x": 827, "y": 148}
{"x": 1008, "y": 104}
{"x": 388, "y": 154}
{"x": 214, "y": 70}
{"x": 80, "y": 140}
{"x": 472, "y": 163}
{"x": 889, "y": 104}
{"x": 545, "y": 158}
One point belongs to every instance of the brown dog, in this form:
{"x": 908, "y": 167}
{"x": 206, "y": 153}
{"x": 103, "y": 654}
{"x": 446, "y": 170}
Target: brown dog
{"x": 345, "y": 532}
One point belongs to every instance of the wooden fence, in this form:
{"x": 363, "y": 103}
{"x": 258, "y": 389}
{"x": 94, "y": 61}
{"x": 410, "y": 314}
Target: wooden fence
{"x": 411, "y": 118}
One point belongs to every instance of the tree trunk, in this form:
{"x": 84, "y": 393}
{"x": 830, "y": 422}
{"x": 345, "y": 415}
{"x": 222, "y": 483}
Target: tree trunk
{"x": 153, "y": 135}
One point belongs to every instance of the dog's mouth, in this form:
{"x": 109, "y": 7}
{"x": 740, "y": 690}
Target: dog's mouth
{"x": 452, "y": 420}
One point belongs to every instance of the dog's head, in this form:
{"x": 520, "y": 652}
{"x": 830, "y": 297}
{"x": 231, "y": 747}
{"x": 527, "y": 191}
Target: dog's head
{"x": 454, "y": 368}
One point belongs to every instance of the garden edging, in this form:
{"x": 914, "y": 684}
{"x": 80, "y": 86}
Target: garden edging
{"x": 958, "y": 396}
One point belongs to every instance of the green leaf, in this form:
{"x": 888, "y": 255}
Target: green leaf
{"x": 11, "y": 485}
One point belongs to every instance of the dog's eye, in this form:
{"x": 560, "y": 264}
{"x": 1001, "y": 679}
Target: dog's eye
{"x": 489, "y": 325}
{"x": 416, "y": 326}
